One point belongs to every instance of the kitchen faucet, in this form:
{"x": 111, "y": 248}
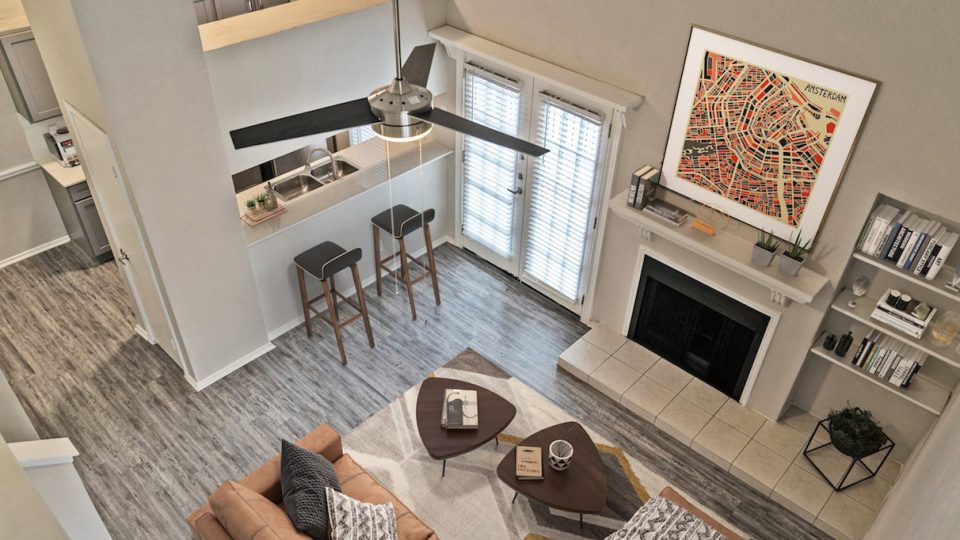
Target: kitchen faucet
{"x": 333, "y": 162}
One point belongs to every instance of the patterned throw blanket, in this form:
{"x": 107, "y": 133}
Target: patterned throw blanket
{"x": 662, "y": 519}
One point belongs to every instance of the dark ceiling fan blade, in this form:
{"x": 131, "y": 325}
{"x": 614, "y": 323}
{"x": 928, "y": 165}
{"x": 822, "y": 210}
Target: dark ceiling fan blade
{"x": 467, "y": 127}
{"x": 416, "y": 69}
{"x": 335, "y": 117}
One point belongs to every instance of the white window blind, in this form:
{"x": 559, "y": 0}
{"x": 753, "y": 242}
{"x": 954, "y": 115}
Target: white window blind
{"x": 561, "y": 195}
{"x": 489, "y": 171}
{"x": 360, "y": 134}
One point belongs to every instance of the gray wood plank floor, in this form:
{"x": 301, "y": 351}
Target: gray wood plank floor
{"x": 152, "y": 449}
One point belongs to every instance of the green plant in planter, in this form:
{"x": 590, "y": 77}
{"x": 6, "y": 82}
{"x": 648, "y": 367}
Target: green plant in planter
{"x": 767, "y": 241}
{"x": 251, "y": 204}
{"x": 855, "y": 433}
{"x": 261, "y": 198}
{"x": 798, "y": 248}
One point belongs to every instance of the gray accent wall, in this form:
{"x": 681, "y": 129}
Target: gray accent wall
{"x": 906, "y": 151}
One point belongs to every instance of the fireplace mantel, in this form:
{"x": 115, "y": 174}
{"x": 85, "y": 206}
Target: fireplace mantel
{"x": 726, "y": 249}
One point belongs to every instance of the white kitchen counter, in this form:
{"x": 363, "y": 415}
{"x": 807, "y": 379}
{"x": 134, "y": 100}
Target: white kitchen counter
{"x": 65, "y": 176}
{"x": 369, "y": 157}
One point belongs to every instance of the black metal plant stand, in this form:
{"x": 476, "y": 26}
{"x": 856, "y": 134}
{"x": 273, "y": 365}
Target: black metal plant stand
{"x": 887, "y": 448}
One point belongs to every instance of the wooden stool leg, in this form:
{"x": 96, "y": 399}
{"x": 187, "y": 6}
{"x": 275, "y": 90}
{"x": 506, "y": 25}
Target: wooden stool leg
{"x": 433, "y": 263}
{"x": 362, "y": 301}
{"x": 376, "y": 258}
{"x": 333, "y": 293}
{"x": 332, "y": 313}
{"x": 304, "y": 301}
{"x": 405, "y": 268}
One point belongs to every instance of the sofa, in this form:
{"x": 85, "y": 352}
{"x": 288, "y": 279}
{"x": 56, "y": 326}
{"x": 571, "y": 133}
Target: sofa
{"x": 242, "y": 509}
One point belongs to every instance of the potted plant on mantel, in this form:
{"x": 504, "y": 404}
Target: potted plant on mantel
{"x": 765, "y": 249}
{"x": 792, "y": 259}
{"x": 854, "y": 432}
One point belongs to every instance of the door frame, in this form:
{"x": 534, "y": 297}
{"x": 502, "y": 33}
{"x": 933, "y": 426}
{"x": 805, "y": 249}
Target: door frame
{"x": 511, "y": 266}
{"x": 147, "y": 328}
{"x": 614, "y": 121}
{"x": 600, "y": 186}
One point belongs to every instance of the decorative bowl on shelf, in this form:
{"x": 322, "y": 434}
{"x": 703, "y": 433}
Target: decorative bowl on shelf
{"x": 945, "y": 329}
{"x": 560, "y": 454}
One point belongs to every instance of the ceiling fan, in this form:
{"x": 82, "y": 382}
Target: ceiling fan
{"x": 400, "y": 111}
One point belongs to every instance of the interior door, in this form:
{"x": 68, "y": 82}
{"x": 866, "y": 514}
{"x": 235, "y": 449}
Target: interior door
{"x": 129, "y": 251}
{"x": 561, "y": 204}
{"x": 492, "y": 187}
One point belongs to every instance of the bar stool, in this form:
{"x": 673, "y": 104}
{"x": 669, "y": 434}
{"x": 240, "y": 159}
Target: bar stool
{"x": 322, "y": 262}
{"x": 405, "y": 221}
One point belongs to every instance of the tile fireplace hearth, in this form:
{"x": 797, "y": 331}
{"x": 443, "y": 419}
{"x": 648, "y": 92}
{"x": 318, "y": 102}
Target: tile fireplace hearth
{"x": 764, "y": 453}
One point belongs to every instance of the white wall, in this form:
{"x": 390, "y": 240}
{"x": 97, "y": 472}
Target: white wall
{"x": 640, "y": 46}
{"x": 29, "y": 218}
{"x": 313, "y": 66}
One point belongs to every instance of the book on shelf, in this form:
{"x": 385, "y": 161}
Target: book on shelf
{"x": 460, "y": 409}
{"x": 908, "y": 244}
{"x": 894, "y": 234}
{"x": 903, "y": 236}
{"x": 878, "y": 229}
{"x": 647, "y": 187}
{"x": 907, "y": 320}
{"x": 666, "y": 212}
{"x": 949, "y": 242}
{"x": 932, "y": 244}
{"x": 635, "y": 184}
{"x": 529, "y": 463}
{"x": 886, "y": 358}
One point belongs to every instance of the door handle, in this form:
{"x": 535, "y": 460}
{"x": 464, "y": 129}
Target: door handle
{"x": 516, "y": 191}
{"x": 124, "y": 258}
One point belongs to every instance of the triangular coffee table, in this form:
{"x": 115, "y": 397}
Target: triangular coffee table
{"x": 494, "y": 414}
{"x": 582, "y": 488}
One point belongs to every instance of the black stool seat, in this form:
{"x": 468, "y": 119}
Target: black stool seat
{"x": 326, "y": 259}
{"x": 405, "y": 220}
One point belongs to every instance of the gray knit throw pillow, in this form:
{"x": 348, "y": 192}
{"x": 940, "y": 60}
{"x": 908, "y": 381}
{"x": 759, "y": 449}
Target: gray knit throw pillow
{"x": 304, "y": 478}
{"x": 351, "y": 519}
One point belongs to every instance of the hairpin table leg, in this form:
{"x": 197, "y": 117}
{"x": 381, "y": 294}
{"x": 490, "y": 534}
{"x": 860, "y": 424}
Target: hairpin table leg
{"x": 515, "y": 494}
{"x": 444, "y": 471}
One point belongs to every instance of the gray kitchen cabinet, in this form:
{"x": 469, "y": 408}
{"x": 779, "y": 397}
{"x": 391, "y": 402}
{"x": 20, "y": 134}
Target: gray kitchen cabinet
{"x": 27, "y": 78}
{"x": 81, "y": 219}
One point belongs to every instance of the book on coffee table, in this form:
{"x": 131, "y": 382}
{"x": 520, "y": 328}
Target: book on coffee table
{"x": 529, "y": 463}
{"x": 460, "y": 409}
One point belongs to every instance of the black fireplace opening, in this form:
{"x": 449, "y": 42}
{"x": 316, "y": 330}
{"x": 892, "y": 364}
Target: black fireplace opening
{"x": 710, "y": 335}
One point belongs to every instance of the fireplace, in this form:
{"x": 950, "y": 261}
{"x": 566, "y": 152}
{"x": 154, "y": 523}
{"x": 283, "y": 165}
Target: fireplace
{"x": 708, "y": 334}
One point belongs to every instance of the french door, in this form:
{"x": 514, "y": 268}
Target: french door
{"x": 533, "y": 217}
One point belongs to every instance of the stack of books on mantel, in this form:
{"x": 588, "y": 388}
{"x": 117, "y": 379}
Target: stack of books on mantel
{"x": 666, "y": 212}
{"x": 908, "y": 240}
{"x": 888, "y": 359}
{"x": 912, "y": 320}
{"x": 460, "y": 410}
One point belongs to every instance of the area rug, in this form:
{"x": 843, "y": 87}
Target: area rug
{"x": 470, "y": 501}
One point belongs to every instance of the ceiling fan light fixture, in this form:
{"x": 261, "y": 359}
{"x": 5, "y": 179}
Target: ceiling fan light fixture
{"x": 402, "y": 134}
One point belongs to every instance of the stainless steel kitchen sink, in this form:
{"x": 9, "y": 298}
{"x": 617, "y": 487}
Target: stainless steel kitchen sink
{"x": 295, "y": 186}
{"x": 325, "y": 170}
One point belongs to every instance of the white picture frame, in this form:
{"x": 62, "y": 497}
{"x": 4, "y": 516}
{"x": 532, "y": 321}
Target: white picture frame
{"x": 856, "y": 92}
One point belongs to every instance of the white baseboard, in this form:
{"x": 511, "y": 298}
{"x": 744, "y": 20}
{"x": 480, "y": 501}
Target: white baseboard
{"x": 226, "y": 370}
{"x": 298, "y": 320}
{"x": 34, "y": 251}
{"x": 142, "y": 332}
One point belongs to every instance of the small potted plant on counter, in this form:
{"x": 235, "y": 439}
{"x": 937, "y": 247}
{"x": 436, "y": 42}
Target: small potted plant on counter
{"x": 792, "y": 259}
{"x": 765, "y": 249}
{"x": 261, "y": 201}
{"x": 251, "y": 206}
{"x": 854, "y": 432}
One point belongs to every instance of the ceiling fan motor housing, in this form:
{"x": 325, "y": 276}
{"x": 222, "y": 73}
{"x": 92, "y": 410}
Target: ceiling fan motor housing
{"x": 395, "y": 105}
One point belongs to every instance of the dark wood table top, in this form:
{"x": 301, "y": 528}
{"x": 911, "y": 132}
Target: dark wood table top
{"x": 582, "y": 488}
{"x": 495, "y": 413}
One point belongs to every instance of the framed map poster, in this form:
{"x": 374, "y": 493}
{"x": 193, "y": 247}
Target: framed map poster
{"x": 762, "y": 136}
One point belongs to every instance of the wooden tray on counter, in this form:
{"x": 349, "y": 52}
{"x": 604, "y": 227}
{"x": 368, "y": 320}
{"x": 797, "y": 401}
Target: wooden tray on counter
{"x": 255, "y": 219}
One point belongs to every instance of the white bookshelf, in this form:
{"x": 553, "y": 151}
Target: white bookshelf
{"x": 932, "y": 386}
{"x": 937, "y": 285}
{"x": 924, "y": 391}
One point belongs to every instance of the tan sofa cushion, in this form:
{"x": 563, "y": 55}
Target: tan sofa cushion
{"x": 247, "y": 515}
{"x": 357, "y": 483}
